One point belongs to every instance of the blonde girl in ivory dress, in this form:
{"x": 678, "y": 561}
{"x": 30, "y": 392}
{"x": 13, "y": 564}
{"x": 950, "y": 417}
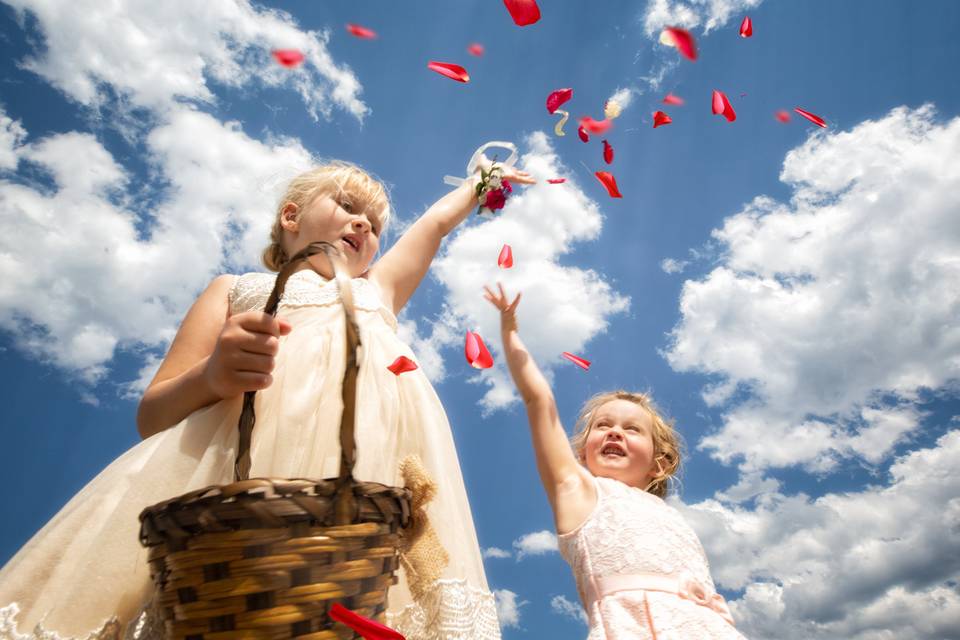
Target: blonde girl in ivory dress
{"x": 641, "y": 571}
{"x": 85, "y": 575}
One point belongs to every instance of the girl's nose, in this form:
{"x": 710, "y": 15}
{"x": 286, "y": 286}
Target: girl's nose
{"x": 360, "y": 224}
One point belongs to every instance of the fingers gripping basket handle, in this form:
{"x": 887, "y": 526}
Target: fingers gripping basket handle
{"x": 344, "y": 507}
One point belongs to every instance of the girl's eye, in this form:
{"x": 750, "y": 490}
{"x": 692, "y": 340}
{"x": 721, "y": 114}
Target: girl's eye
{"x": 346, "y": 206}
{"x": 602, "y": 425}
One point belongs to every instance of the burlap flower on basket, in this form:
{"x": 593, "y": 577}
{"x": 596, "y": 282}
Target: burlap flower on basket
{"x": 421, "y": 554}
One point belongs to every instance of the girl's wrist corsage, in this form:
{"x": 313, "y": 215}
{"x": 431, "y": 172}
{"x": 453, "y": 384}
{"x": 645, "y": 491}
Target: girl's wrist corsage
{"x": 492, "y": 190}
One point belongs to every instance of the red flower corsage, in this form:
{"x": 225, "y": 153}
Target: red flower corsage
{"x": 492, "y": 190}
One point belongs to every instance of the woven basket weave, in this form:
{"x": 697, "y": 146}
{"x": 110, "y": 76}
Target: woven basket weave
{"x": 266, "y": 558}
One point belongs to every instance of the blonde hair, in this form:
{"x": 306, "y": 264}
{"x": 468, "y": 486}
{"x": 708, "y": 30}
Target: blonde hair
{"x": 337, "y": 179}
{"x": 667, "y": 444}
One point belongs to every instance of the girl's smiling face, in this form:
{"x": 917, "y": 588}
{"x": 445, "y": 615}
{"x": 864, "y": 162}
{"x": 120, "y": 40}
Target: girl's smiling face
{"x": 619, "y": 444}
{"x": 353, "y": 230}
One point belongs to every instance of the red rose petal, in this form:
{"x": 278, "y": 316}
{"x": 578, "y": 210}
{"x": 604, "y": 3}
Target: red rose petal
{"x": 556, "y": 180}
{"x": 523, "y": 12}
{"x": 812, "y": 117}
{"x": 476, "y": 352}
{"x": 683, "y": 41}
{"x": 583, "y": 134}
{"x": 580, "y": 362}
{"x": 452, "y": 71}
{"x": 660, "y": 119}
{"x": 367, "y": 628}
{"x": 672, "y": 99}
{"x": 722, "y": 106}
{"x": 401, "y": 365}
{"x": 609, "y": 182}
{"x": 505, "y": 259}
{"x": 782, "y": 116}
{"x": 361, "y": 32}
{"x": 746, "y": 27}
{"x": 557, "y": 98}
{"x": 288, "y": 58}
{"x": 607, "y": 152}
{"x": 596, "y": 127}
{"x": 475, "y": 49}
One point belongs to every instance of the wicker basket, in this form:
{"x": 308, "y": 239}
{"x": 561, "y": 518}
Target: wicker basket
{"x": 266, "y": 558}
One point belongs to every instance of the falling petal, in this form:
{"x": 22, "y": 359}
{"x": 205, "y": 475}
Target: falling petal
{"x": 596, "y": 127}
{"x": 556, "y": 180}
{"x": 452, "y": 71}
{"x": 671, "y": 99}
{"x": 523, "y": 12}
{"x": 782, "y": 116}
{"x": 609, "y": 182}
{"x": 660, "y": 119}
{"x": 722, "y": 106}
{"x": 746, "y": 27}
{"x": 580, "y": 362}
{"x": 607, "y": 152}
{"x": 361, "y": 32}
{"x": 563, "y": 120}
{"x": 505, "y": 259}
{"x": 812, "y": 117}
{"x": 557, "y": 98}
{"x": 401, "y": 365}
{"x": 288, "y": 58}
{"x": 682, "y": 40}
{"x": 612, "y": 109}
{"x": 583, "y": 134}
{"x": 367, "y": 628}
{"x": 476, "y": 352}
{"x": 475, "y": 49}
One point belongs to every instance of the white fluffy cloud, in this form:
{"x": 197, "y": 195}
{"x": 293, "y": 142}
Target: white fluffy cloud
{"x": 876, "y": 563}
{"x": 710, "y": 14}
{"x": 825, "y": 304}
{"x": 106, "y": 285}
{"x": 536, "y": 544}
{"x": 567, "y": 305}
{"x": 508, "y": 607}
{"x": 495, "y": 552}
{"x": 155, "y": 54}
{"x": 565, "y": 607}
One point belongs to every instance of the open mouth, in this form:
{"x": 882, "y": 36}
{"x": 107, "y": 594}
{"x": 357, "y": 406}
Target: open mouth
{"x": 352, "y": 243}
{"x": 613, "y": 450}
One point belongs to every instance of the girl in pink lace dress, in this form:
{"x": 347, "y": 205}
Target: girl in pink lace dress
{"x": 640, "y": 569}
{"x": 84, "y": 574}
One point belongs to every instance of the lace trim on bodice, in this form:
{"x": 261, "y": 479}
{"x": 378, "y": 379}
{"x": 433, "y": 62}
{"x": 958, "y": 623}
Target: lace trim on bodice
{"x": 147, "y": 626}
{"x": 303, "y": 289}
{"x": 452, "y": 610}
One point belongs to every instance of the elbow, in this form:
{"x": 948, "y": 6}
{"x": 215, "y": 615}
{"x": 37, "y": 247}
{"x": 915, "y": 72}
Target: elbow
{"x": 539, "y": 398}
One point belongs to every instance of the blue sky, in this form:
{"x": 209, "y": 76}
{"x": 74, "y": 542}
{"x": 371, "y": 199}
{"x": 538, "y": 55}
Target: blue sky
{"x": 787, "y": 293}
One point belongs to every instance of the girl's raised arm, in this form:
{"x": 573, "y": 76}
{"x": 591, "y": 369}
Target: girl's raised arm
{"x": 560, "y": 472}
{"x": 399, "y": 272}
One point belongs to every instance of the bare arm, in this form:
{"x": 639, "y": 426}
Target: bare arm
{"x": 559, "y": 470}
{"x": 399, "y": 272}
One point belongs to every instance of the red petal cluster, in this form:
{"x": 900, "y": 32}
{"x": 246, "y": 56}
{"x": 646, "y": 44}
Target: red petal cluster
{"x": 523, "y": 12}
{"x": 607, "y": 152}
{"x": 812, "y": 117}
{"x": 683, "y": 41}
{"x": 609, "y": 182}
{"x": 746, "y": 27}
{"x": 452, "y": 71}
{"x": 556, "y": 180}
{"x": 288, "y": 58}
{"x": 476, "y": 352}
{"x": 361, "y": 32}
{"x": 596, "y": 127}
{"x": 401, "y": 365}
{"x": 580, "y": 362}
{"x": 557, "y": 98}
{"x": 722, "y": 106}
{"x": 505, "y": 259}
{"x": 671, "y": 99}
{"x": 583, "y": 134}
{"x": 660, "y": 119}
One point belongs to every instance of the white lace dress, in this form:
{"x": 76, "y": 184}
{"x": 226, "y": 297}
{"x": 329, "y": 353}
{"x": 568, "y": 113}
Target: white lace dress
{"x": 641, "y": 571}
{"x": 84, "y": 574}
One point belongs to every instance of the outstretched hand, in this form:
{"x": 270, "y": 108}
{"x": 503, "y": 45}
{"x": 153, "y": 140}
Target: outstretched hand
{"x": 508, "y": 316}
{"x": 510, "y": 173}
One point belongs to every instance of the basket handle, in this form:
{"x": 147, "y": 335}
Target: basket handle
{"x": 343, "y": 501}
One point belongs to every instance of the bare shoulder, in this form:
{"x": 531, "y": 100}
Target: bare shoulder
{"x": 575, "y": 500}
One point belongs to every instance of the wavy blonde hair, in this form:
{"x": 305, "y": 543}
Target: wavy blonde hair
{"x": 338, "y": 179}
{"x": 667, "y": 444}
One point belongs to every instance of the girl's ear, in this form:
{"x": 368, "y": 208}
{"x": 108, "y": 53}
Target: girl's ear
{"x": 289, "y": 216}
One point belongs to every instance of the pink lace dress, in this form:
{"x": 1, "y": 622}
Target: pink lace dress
{"x": 641, "y": 571}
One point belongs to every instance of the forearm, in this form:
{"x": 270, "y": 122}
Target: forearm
{"x": 453, "y": 208}
{"x": 531, "y": 384}
{"x": 168, "y": 402}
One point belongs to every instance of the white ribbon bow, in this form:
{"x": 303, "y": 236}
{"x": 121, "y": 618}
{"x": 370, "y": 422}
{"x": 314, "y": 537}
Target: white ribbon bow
{"x": 475, "y": 160}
